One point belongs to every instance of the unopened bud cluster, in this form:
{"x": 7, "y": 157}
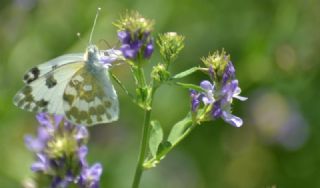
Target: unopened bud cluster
{"x": 170, "y": 45}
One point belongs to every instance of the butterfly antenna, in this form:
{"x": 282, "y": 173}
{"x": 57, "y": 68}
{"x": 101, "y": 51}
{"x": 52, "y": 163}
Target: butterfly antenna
{"x": 106, "y": 42}
{"x": 94, "y": 24}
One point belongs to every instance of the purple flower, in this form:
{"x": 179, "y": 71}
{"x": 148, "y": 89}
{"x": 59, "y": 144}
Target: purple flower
{"x": 135, "y": 43}
{"x": 195, "y": 102}
{"x": 229, "y": 73}
{"x": 82, "y": 153}
{"x": 232, "y": 90}
{"x": 90, "y": 176}
{"x": 134, "y": 34}
{"x": 109, "y": 56}
{"x": 148, "y": 50}
{"x": 222, "y": 108}
{"x": 207, "y": 97}
{"x": 218, "y": 96}
{"x": 45, "y": 132}
{"x": 124, "y": 37}
{"x": 81, "y": 133}
{"x": 59, "y": 182}
{"x": 61, "y": 152}
{"x": 128, "y": 51}
{"x": 231, "y": 119}
{"x": 42, "y": 165}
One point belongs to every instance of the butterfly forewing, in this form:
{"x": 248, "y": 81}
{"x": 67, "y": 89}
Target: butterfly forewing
{"x": 44, "y": 94}
{"x": 44, "y": 68}
{"x": 75, "y": 85}
{"x": 89, "y": 98}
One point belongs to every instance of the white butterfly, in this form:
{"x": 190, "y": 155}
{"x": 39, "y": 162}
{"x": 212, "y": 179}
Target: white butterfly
{"x": 75, "y": 85}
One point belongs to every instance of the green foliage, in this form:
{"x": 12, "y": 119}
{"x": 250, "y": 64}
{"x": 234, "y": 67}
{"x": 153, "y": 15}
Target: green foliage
{"x": 179, "y": 130}
{"x": 156, "y": 136}
{"x": 187, "y": 72}
{"x": 190, "y": 86}
{"x": 274, "y": 46}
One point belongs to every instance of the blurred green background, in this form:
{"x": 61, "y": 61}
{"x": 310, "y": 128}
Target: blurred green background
{"x": 273, "y": 44}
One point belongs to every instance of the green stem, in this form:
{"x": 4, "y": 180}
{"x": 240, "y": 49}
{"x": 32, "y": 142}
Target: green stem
{"x": 146, "y": 128}
{"x": 143, "y": 149}
{"x": 141, "y": 77}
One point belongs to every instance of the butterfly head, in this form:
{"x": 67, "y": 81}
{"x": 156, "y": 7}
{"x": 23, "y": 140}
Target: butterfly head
{"x": 92, "y": 53}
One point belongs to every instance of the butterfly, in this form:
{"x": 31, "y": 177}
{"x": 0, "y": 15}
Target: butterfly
{"x": 77, "y": 86}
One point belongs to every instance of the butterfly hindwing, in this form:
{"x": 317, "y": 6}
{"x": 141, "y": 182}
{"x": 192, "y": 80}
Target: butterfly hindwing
{"x": 89, "y": 98}
{"x": 44, "y": 94}
{"x": 75, "y": 85}
{"x": 44, "y": 68}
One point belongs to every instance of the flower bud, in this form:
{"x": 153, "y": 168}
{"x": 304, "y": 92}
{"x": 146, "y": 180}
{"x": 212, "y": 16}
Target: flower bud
{"x": 217, "y": 62}
{"x": 170, "y": 45}
{"x": 159, "y": 73}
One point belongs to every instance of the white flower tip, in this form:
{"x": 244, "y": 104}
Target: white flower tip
{"x": 241, "y": 98}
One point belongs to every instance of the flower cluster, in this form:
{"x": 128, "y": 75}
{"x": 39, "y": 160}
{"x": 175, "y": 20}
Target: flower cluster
{"x": 134, "y": 33}
{"x": 170, "y": 45}
{"x": 61, "y": 153}
{"x": 217, "y": 95}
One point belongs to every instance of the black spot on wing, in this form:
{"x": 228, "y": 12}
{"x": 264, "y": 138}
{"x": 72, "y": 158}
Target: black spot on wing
{"x": 51, "y": 81}
{"x": 68, "y": 98}
{"x": 25, "y": 100}
{"x": 42, "y": 103}
{"x": 32, "y": 75}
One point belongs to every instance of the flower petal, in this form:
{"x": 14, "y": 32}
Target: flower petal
{"x": 83, "y": 151}
{"x": 128, "y": 52}
{"x": 232, "y": 119}
{"x": 41, "y": 165}
{"x": 148, "y": 50}
{"x": 33, "y": 144}
{"x": 82, "y": 133}
{"x": 58, "y": 119}
{"x": 206, "y": 85}
{"x": 240, "y": 98}
{"x": 124, "y": 37}
{"x": 96, "y": 171}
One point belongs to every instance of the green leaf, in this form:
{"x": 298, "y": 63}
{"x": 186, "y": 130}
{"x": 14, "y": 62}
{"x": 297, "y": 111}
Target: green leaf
{"x": 190, "y": 86}
{"x": 163, "y": 149}
{"x": 156, "y": 136}
{"x": 186, "y": 73}
{"x": 179, "y": 129}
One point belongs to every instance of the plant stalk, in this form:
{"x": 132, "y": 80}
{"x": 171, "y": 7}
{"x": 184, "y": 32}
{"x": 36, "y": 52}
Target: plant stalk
{"x": 145, "y": 129}
{"x": 143, "y": 149}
